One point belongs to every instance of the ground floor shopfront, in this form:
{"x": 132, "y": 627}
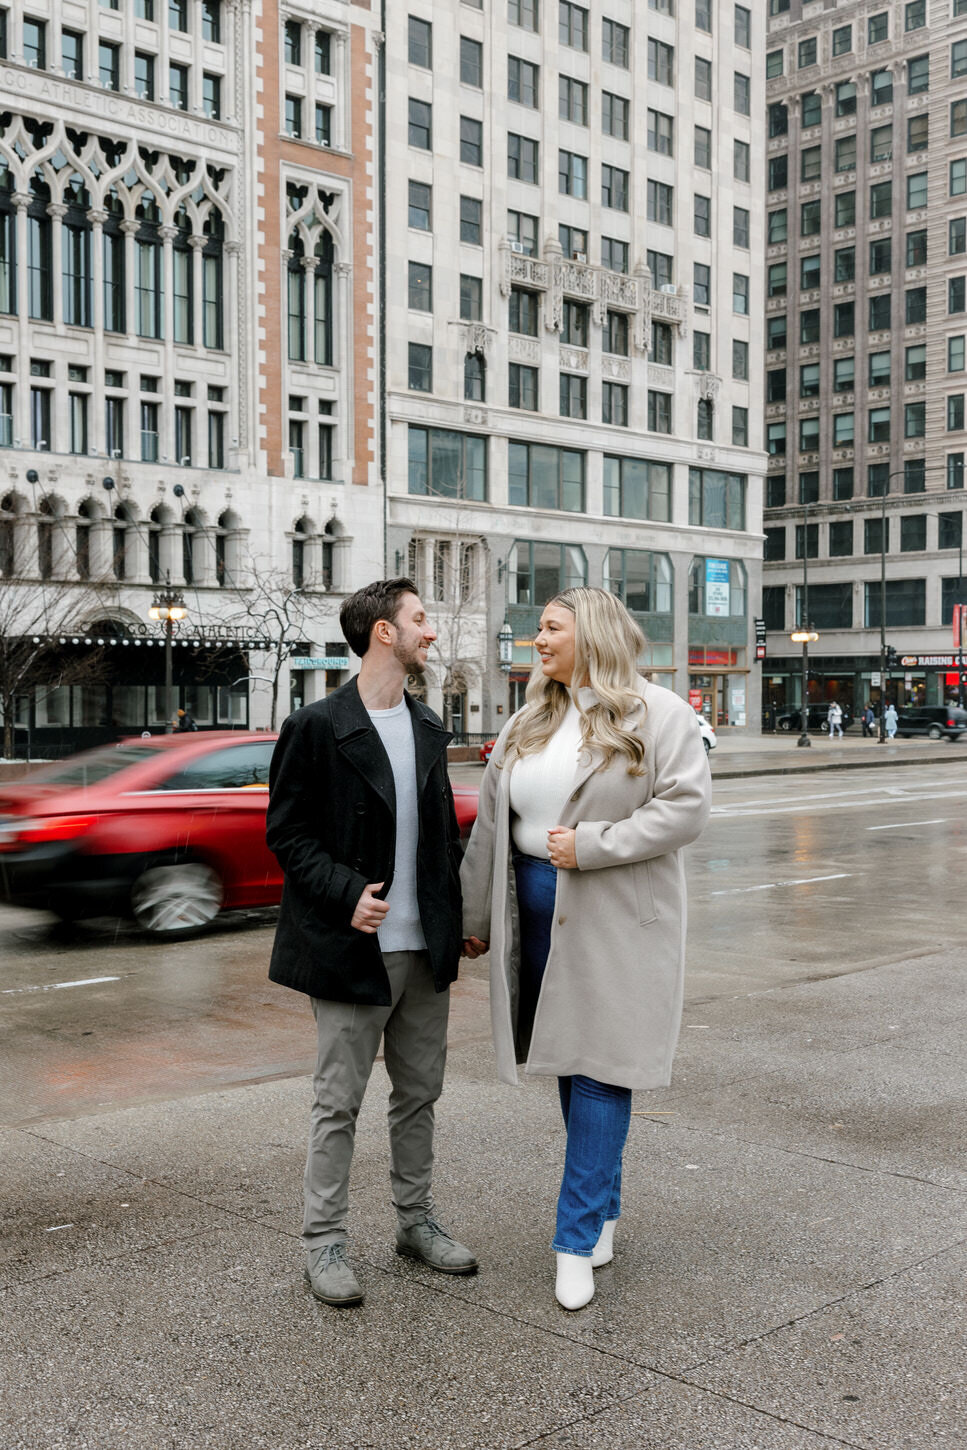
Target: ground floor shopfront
{"x": 919, "y": 679}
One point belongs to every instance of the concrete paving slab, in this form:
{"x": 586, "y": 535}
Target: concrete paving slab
{"x": 884, "y": 1368}
{"x": 63, "y": 1210}
{"x": 214, "y": 1342}
{"x": 679, "y": 1417}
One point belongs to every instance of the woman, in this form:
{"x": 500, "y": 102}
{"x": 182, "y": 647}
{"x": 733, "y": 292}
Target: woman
{"x": 573, "y": 875}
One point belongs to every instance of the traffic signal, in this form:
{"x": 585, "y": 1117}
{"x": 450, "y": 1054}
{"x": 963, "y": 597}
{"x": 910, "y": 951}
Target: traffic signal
{"x": 891, "y": 658}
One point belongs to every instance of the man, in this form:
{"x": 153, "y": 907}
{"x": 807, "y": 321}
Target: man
{"x": 361, "y": 819}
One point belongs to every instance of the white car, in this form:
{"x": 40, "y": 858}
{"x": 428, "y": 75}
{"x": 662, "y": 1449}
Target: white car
{"x": 708, "y": 734}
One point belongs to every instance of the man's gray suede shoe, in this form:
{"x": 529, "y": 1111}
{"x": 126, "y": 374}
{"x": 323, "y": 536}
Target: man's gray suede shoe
{"x": 330, "y": 1278}
{"x": 433, "y": 1246}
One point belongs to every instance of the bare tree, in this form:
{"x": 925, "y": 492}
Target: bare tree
{"x": 278, "y": 609}
{"x": 33, "y": 620}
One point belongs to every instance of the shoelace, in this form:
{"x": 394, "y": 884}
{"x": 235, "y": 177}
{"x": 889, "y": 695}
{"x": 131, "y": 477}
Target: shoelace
{"x": 435, "y": 1228}
{"x": 335, "y": 1254}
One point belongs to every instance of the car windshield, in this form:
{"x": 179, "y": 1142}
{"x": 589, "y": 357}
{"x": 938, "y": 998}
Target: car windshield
{"x": 93, "y": 765}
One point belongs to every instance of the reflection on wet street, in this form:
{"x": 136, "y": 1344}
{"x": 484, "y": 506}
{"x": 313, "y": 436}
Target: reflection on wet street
{"x": 796, "y": 877}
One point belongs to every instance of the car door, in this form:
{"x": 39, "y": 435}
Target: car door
{"x": 220, "y": 800}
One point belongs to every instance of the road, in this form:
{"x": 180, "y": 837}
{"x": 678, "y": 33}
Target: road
{"x": 796, "y": 878}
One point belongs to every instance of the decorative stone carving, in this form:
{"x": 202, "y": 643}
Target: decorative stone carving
{"x": 524, "y": 349}
{"x": 574, "y": 359}
{"x": 618, "y": 368}
{"x": 478, "y": 337}
{"x": 662, "y": 377}
{"x": 475, "y": 416}
{"x": 709, "y": 386}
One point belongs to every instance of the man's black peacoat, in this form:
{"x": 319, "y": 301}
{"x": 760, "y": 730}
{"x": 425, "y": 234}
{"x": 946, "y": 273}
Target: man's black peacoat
{"x": 332, "y": 825}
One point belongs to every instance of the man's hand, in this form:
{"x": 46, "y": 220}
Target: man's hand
{"x": 560, "y": 846}
{"x": 369, "y": 913}
{"x": 474, "y": 947}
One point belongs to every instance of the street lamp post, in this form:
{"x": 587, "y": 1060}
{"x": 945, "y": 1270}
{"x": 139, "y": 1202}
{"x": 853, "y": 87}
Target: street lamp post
{"x": 804, "y": 634}
{"x": 168, "y": 606}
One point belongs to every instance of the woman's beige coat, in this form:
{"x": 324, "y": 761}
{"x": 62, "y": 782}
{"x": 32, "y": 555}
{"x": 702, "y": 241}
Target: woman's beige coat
{"x": 611, "y": 1000}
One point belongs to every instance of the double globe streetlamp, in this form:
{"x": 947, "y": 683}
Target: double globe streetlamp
{"x": 168, "y": 606}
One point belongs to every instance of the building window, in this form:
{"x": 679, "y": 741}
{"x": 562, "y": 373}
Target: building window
{"x": 420, "y": 207}
{"x": 810, "y": 218}
{"x": 778, "y": 173}
{"x": 661, "y": 62}
{"x": 878, "y": 430}
{"x": 914, "y": 420}
{"x": 702, "y": 352}
{"x": 660, "y": 202}
{"x": 846, "y": 153}
{"x": 615, "y": 190}
{"x": 843, "y": 319}
{"x": 915, "y": 15}
{"x": 955, "y": 412}
{"x": 740, "y": 359}
{"x": 420, "y": 368}
{"x": 740, "y": 293}
{"x": 701, "y": 284}
{"x": 702, "y": 215}
{"x": 741, "y": 160}
{"x": 574, "y": 242}
{"x": 661, "y": 130}
{"x": 881, "y": 256}
{"x": 881, "y": 85}
{"x": 524, "y": 311}
{"x": 178, "y": 86}
{"x": 776, "y": 439}
{"x": 573, "y": 396}
{"x": 841, "y": 539}
{"x": 660, "y": 265}
{"x": 808, "y": 382}
{"x": 879, "y": 369}
{"x": 72, "y": 53}
{"x": 471, "y": 220}
{"x": 914, "y": 475}
{"x": 211, "y": 21}
{"x": 109, "y": 65}
{"x": 471, "y": 298}
{"x": 523, "y": 82}
{"x": 144, "y": 76}
{"x": 844, "y": 264}
{"x": 420, "y": 287}
{"x": 740, "y": 427}
{"x": 546, "y": 478}
{"x": 703, "y": 79}
{"x": 842, "y": 40}
{"x": 807, "y": 52}
{"x": 572, "y": 101}
{"x": 918, "y": 133}
{"x": 419, "y": 43}
{"x": 916, "y": 304}
{"x": 538, "y": 571}
{"x": 34, "y": 43}
{"x": 524, "y": 13}
{"x": 293, "y": 116}
{"x": 614, "y": 404}
{"x": 211, "y": 96}
{"x": 572, "y": 25}
{"x": 471, "y": 142}
{"x": 878, "y": 28}
{"x": 615, "y": 114}
{"x": 641, "y": 580}
{"x": 716, "y": 500}
{"x": 474, "y": 378}
{"x": 843, "y": 483}
{"x": 811, "y": 107}
{"x": 906, "y": 600}
{"x": 616, "y": 47}
{"x": 879, "y": 312}
{"x": 523, "y": 158}
{"x": 775, "y": 546}
{"x": 918, "y": 75}
{"x": 522, "y": 230}
{"x": 420, "y": 125}
{"x": 523, "y": 387}
{"x": 742, "y": 94}
{"x": 811, "y": 163}
{"x": 471, "y": 62}
{"x": 703, "y": 148}
{"x": 572, "y": 174}
{"x": 659, "y": 411}
{"x": 913, "y": 533}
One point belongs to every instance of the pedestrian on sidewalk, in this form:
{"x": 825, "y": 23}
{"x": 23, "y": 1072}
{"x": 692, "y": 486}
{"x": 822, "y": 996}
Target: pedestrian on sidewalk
{"x": 835, "y": 717}
{"x": 868, "y": 719}
{"x": 573, "y": 874}
{"x": 890, "y": 719}
{"x": 361, "y": 819}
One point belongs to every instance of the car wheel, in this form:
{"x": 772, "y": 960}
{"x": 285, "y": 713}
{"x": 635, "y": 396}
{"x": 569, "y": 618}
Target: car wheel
{"x": 785, "y": 724}
{"x": 176, "y": 900}
{"x": 935, "y": 732}
{"x": 824, "y": 726}
{"x": 707, "y": 746}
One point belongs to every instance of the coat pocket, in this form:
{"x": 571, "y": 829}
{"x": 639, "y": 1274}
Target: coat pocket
{"x": 643, "y": 892}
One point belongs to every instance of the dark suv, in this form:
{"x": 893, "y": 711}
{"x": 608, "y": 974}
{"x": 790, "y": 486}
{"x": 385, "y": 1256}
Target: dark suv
{"x": 935, "y": 721}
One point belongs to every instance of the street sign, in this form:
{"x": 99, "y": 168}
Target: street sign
{"x": 875, "y": 679}
{"x": 760, "y": 631}
{"x": 760, "y": 651}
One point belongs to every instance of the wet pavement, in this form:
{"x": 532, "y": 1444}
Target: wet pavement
{"x": 790, "y": 1264}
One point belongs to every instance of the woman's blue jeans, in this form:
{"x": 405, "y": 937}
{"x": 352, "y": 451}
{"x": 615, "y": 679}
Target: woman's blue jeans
{"x": 596, "y": 1114}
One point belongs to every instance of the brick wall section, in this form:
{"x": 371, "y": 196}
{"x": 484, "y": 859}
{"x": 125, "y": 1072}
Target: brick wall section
{"x": 274, "y": 150}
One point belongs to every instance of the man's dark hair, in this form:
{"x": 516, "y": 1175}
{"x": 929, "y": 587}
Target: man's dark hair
{"x": 379, "y": 600}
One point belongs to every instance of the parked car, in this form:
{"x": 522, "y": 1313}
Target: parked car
{"x": 934, "y": 721}
{"x": 708, "y": 734}
{"x": 486, "y": 750}
{"x": 792, "y": 720}
{"x": 169, "y": 830}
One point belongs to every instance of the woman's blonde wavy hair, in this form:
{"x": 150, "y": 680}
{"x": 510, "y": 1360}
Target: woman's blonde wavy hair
{"x": 607, "y": 643}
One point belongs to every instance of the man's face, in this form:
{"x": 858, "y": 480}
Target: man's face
{"x": 413, "y": 635}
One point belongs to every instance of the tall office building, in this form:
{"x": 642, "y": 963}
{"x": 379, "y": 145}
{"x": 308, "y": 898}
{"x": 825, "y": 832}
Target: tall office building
{"x": 866, "y": 309}
{"x": 187, "y": 355}
{"x": 573, "y": 297}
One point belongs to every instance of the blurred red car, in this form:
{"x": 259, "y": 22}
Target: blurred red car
{"x": 169, "y": 830}
{"x": 485, "y": 750}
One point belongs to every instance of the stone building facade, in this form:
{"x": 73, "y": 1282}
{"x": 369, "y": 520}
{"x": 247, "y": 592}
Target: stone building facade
{"x": 866, "y": 316}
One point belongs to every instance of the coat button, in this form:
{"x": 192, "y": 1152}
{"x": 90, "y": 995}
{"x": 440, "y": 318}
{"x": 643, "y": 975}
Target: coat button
{"x": 575, "y": 795}
{"x": 561, "y": 920}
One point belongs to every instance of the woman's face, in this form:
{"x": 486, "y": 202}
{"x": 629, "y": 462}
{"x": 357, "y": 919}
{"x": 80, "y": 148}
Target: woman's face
{"x": 555, "y": 643}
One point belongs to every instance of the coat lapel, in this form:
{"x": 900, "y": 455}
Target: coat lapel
{"x": 357, "y": 739}
{"x": 430, "y": 740}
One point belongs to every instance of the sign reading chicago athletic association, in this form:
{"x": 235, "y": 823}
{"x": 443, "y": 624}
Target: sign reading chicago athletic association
{"x": 28, "y": 84}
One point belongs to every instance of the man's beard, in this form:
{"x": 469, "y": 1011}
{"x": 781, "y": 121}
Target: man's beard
{"x": 411, "y": 661}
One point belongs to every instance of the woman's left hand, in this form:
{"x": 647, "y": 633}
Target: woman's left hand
{"x": 560, "y": 845}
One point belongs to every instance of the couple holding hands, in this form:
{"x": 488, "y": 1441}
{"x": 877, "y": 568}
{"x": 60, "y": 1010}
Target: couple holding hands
{"x": 573, "y": 879}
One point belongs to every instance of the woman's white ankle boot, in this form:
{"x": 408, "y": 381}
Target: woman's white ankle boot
{"x": 575, "y": 1281}
{"x": 604, "y": 1248}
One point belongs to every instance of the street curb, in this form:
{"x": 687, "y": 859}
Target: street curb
{"x": 877, "y": 763}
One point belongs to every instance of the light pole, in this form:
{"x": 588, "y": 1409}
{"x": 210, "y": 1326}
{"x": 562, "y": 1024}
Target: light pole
{"x": 804, "y": 634}
{"x": 168, "y": 605}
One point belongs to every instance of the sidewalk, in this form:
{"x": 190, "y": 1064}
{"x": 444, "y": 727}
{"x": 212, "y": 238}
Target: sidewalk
{"x": 789, "y": 1269}
{"x": 778, "y": 754}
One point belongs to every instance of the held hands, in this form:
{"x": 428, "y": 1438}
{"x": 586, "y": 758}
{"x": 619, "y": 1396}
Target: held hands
{"x": 474, "y": 947}
{"x": 560, "y": 845}
{"x": 370, "y": 910}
